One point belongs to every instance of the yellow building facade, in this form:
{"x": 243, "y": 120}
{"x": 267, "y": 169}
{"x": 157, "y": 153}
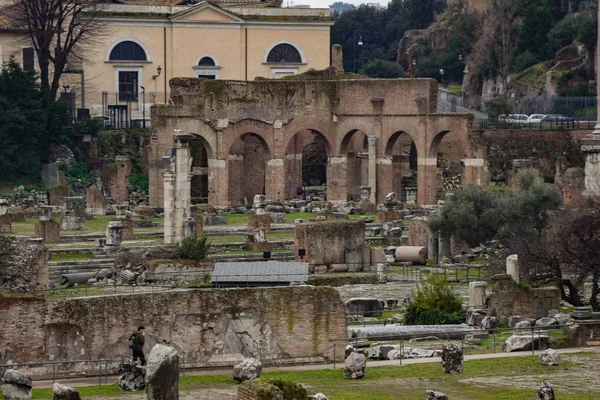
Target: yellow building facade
{"x": 144, "y": 44}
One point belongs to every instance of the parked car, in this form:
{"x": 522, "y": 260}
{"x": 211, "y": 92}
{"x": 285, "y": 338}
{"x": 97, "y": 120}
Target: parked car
{"x": 535, "y": 118}
{"x": 517, "y": 119}
{"x": 557, "y": 118}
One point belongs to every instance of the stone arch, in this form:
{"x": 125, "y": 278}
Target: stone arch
{"x": 354, "y": 149}
{"x": 247, "y": 168}
{"x": 259, "y": 128}
{"x": 401, "y": 176}
{"x": 447, "y": 151}
{"x": 201, "y": 152}
{"x": 306, "y": 154}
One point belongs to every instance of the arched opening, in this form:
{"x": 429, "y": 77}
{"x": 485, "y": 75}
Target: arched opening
{"x": 306, "y": 165}
{"x": 284, "y": 53}
{"x": 355, "y": 148}
{"x": 449, "y": 151}
{"x": 128, "y": 50}
{"x": 403, "y": 153}
{"x": 199, "y": 184}
{"x": 247, "y": 166}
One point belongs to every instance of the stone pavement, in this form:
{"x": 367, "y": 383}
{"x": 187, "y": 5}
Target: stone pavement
{"x": 91, "y": 381}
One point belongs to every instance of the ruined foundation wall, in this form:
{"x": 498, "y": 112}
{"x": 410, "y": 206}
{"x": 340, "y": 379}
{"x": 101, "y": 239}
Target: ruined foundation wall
{"x": 211, "y": 327}
{"x": 23, "y": 266}
{"x": 328, "y": 242}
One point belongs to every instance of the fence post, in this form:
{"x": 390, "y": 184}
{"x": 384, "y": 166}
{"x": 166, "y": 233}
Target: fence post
{"x": 334, "y": 348}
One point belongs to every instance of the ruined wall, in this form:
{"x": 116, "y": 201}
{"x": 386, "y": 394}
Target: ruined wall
{"x": 23, "y": 266}
{"x": 543, "y": 147}
{"x": 209, "y": 327}
{"x": 328, "y": 242}
{"x": 508, "y": 298}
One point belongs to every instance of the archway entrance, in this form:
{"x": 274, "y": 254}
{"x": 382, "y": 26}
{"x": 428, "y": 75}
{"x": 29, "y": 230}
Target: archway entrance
{"x": 306, "y": 164}
{"x": 247, "y": 164}
{"x": 356, "y": 149}
{"x": 449, "y": 152}
{"x": 402, "y": 151}
{"x": 199, "y": 183}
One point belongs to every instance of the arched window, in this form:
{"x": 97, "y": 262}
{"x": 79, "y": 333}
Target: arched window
{"x": 284, "y": 53}
{"x": 128, "y": 50}
{"x": 206, "y": 62}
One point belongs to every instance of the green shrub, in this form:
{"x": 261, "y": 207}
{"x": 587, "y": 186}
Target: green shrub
{"x": 194, "y": 247}
{"x": 140, "y": 182}
{"x": 78, "y": 171}
{"x": 291, "y": 390}
{"x": 434, "y": 303}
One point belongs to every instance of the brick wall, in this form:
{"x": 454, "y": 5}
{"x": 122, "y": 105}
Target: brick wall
{"x": 210, "y": 327}
{"x": 23, "y": 266}
{"x": 327, "y": 242}
{"x": 508, "y": 298}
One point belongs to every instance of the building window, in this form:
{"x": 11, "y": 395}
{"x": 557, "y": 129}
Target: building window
{"x": 28, "y": 59}
{"x": 127, "y": 51}
{"x": 206, "y": 62}
{"x": 128, "y": 85}
{"x": 284, "y": 53}
{"x": 207, "y": 68}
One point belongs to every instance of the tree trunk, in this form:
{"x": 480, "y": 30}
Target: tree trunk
{"x": 573, "y": 297}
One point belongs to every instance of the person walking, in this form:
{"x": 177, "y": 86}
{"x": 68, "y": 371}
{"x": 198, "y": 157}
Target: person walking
{"x": 137, "y": 340}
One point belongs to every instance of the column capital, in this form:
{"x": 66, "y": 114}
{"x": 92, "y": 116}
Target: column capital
{"x": 372, "y": 140}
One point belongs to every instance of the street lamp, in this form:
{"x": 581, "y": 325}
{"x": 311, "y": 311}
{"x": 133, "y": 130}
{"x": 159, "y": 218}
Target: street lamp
{"x": 442, "y": 74}
{"x": 360, "y": 43}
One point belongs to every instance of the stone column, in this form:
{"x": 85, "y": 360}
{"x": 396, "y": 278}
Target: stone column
{"x": 169, "y": 211}
{"x": 432, "y": 247}
{"x": 443, "y": 248}
{"x": 385, "y": 179}
{"x": 426, "y": 180}
{"x": 477, "y": 294}
{"x": 275, "y": 180}
{"x": 372, "y": 141}
{"x": 512, "y": 266}
{"x": 4, "y": 204}
{"x": 218, "y": 182}
{"x": 183, "y": 180}
{"x": 337, "y": 171}
{"x": 293, "y": 175}
{"x": 474, "y": 171}
{"x": 590, "y": 145}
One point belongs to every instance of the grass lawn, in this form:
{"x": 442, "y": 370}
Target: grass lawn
{"x": 515, "y": 378}
{"x": 71, "y": 257}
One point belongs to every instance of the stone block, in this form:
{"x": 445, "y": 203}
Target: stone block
{"x": 128, "y": 233}
{"x": 95, "y": 202}
{"x": 327, "y": 242}
{"x": 162, "y": 373}
{"x": 259, "y": 221}
{"x": 48, "y": 230}
{"x": 387, "y": 216}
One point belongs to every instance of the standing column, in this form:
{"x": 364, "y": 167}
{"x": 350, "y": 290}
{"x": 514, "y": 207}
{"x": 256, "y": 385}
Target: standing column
{"x": 426, "y": 180}
{"x": 218, "y": 186}
{"x": 337, "y": 172}
{"x": 169, "y": 195}
{"x": 372, "y": 140}
{"x": 275, "y": 180}
{"x": 474, "y": 171}
{"x": 183, "y": 187}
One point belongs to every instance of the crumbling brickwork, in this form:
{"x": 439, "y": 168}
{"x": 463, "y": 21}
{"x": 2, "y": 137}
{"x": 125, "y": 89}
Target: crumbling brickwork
{"x": 508, "y": 298}
{"x": 23, "y": 266}
{"x": 214, "y": 327}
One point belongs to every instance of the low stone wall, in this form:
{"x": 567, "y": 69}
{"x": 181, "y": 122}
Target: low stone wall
{"x": 508, "y": 298}
{"x": 23, "y": 266}
{"x": 209, "y": 327}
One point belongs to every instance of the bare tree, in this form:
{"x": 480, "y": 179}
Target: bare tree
{"x": 61, "y": 31}
{"x": 568, "y": 255}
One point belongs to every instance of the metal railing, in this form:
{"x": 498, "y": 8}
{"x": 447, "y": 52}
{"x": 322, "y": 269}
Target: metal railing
{"x": 569, "y": 123}
{"x": 101, "y": 373}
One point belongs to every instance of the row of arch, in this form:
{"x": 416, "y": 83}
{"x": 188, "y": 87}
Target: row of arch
{"x": 306, "y": 163}
{"x": 133, "y": 50}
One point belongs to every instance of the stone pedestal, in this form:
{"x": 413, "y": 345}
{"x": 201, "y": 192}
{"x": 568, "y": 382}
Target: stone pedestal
{"x": 50, "y": 175}
{"x": 95, "y": 203}
{"x": 74, "y": 216}
{"x": 477, "y": 294}
{"x": 259, "y": 222}
{"x": 128, "y": 233}
{"x": 189, "y": 227}
{"x": 5, "y": 223}
{"x": 114, "y": 233}
{"x": 48, "y": 230}
{"x": 590, "y": 145}
{"x": 443, "y": 248}
{"x": 4, "y": 204}
{"x": 512, "y": 266}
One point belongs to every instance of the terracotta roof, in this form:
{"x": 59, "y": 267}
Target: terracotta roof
{"x": 8, "y": 24}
